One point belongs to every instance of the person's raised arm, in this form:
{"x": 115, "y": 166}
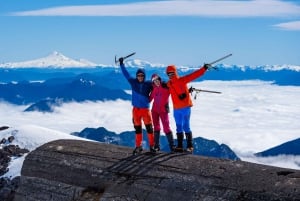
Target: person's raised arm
{"x": 123, "y": 69}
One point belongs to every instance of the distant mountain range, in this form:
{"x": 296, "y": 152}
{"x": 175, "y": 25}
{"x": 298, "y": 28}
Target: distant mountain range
{"x": 202, "y": 146}
{"x": 49, "y": 87}
{"x": 288, "y": 148}
{"x": 58, "y": 60}
{"x": 55, "y": 79}
{"x": 53, "y": 92}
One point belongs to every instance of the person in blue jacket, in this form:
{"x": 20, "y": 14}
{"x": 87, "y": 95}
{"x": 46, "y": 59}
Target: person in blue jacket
{"x": 140, "y": 101}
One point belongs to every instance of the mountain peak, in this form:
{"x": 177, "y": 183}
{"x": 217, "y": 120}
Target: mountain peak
{"x": 53, "y": 60}
{"x": 56, "y": 54}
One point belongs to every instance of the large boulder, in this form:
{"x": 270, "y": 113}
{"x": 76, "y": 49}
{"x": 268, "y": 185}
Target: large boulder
{"x": 69, "y": 170}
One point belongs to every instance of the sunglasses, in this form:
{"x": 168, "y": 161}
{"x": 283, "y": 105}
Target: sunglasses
{"x": 140, "y": 75}
{"x": 170, "y": 74}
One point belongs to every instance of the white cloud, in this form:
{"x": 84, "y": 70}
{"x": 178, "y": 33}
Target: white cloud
{"x": 289, "y": 26}
{"x": 210, "y": 8}
{"x": 284, "y": 161}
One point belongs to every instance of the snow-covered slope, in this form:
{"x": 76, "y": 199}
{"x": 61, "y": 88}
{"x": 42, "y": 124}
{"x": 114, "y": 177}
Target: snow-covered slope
{"x": 53, "y": 60}
{"x": 30, "y": 137}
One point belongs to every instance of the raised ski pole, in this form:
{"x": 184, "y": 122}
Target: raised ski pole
{"x": 220, "y": 59}
{"x": 117, "y": 61}
{"x": 216, "y": 61}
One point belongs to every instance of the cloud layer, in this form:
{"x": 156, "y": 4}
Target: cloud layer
{"x": 200, "y": 8}
{"x": 249, "y": 116}
{"x": 206, "y": 8}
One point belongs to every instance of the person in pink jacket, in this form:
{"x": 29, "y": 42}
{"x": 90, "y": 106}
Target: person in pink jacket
{"x": 160, "y": 111}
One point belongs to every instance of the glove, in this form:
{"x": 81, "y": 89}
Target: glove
{"x": 121, "y": 61}
{"x": 208, "y": 66}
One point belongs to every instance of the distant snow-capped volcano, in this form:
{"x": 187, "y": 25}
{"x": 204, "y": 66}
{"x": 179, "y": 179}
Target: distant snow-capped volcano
{"x": 53, "y": 60}
{"x": 58, "y": 60}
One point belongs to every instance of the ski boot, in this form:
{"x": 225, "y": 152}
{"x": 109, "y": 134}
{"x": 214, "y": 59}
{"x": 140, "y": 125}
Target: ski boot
{"x": 152, "y": 150}
{"x": 179, "y": 148}
{"x": 190, "y": 150}
{"x": 156, "y": 140}
{"x": 156, "y": 148}
{"x": 171, "y": 142}
{"x": 137, "y": 150}
{"x": 189, "y": 138}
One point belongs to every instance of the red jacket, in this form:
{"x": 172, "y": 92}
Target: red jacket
{"x": 160, "y": 95}
{"x": 178, "y": 86}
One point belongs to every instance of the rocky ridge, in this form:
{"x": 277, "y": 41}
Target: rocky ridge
{"x": 69, "y": 170}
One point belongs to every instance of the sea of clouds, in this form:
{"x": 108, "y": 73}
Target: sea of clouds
{"x": 249, "y": 116}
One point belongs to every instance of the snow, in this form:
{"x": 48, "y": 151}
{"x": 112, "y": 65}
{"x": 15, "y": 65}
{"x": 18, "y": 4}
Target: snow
{"x": 249, "y": 116}
{"x": 58, "y": 60}
{"x": 54, "y": 60}
{"x": 30, "y": 137}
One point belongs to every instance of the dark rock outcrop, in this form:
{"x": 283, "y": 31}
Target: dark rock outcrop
{"x": 74, "y": 170}
{"x": 7, "y": 151}
{"x": 8, "y": 188}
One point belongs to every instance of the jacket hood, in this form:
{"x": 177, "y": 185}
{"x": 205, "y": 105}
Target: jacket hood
{"x": 155, "y": 76}
{"x": 140, "y": 70}
{"x": 172, "y": 69}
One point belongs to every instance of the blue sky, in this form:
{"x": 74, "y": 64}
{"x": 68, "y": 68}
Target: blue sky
{"x": 180, "y": 32}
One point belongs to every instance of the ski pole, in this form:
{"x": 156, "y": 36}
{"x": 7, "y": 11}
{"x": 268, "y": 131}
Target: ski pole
{"x": 199, "y": 90}
{"x": 116, "y": 61}
{"x": 220, "y": 59}
{"x": 216, "y": 92}
{"x": 3, "y": 128}
{"x": 192, "y": 89}
{"x": 210, "y": 64}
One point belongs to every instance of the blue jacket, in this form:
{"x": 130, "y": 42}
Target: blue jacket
{"x": 140, "y": 90}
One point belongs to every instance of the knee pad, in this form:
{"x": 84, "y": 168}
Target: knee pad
{"x": 138, "y": 129}
{"x": 149, "y": 128}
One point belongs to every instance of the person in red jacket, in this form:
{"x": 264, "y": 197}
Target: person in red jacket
{"x": 160, "y": 111}
{"x": 182, "y": 104}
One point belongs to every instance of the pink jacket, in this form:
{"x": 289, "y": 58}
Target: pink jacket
{"x": 160, "y": 96}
